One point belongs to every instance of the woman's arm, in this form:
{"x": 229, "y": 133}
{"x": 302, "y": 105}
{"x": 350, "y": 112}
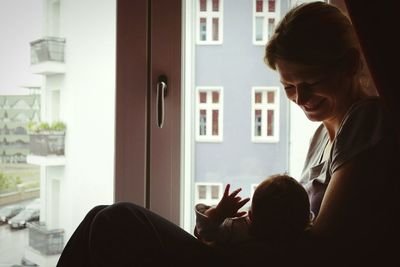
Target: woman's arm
{"x": 350, "y": 200}
{"x": 335, "y": 204}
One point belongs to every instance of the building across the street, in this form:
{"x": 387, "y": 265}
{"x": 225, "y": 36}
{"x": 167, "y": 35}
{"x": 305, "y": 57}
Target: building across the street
{"x": 15, "y": 113}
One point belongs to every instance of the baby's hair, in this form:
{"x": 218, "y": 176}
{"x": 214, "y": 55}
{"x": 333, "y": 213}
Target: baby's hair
{"x": 280, "y": 208}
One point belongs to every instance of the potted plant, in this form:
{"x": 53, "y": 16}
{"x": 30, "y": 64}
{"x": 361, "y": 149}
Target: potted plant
{"x": 46, "y": 138}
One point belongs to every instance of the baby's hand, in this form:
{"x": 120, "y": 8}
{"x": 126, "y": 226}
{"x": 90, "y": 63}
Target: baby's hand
{"x": 228, "y": 206}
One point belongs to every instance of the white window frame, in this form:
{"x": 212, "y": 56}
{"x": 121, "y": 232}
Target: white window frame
{"x": 209, "y": 15}
{"x": 264, "y": 107}
{"x": 209, "y": 107}
{"x": 266, "y": 15}
{"x": 208, "y": 200}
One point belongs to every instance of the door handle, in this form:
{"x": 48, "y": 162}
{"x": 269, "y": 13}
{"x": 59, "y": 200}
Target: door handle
{"x": 162, "y": 90}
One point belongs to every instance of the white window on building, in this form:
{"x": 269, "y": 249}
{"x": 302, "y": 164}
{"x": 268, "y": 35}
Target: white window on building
{"x": 265, "y": 114}
{"x": 209, "y": 26}
{"x": 208, "y": 193}
{"x": 209, "y": 104}
{"x": 265, "y": 18}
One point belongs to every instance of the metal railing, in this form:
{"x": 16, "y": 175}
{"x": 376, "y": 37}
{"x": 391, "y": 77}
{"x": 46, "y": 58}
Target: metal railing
{"x": 47, "y": 49}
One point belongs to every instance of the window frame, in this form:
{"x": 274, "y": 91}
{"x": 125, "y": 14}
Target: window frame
{"x": 266, "y": 15}
{"x": 264, "y": 106}
{"x": 209, "y": 107}
{"x": 209, "y": 15}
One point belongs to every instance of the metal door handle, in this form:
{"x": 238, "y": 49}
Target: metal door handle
{"x": 161, "y": 94}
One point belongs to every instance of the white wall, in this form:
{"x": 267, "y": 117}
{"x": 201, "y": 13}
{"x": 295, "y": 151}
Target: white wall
{"x": 301, "y": 131}
{"x": 87, "y": 107}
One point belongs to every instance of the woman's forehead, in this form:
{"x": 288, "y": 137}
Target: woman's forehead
{"x": 293, "y": 72}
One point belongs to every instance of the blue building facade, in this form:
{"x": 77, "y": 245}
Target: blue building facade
{"x": 247, "y": 95}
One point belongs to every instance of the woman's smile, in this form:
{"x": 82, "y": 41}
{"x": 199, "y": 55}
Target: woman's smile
{"x": 313, "y": 104}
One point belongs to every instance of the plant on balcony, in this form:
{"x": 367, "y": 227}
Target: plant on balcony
{"x": 46, "y": 139}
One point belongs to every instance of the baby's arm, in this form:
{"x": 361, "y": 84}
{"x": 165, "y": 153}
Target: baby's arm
{"x": 209, "y": 220}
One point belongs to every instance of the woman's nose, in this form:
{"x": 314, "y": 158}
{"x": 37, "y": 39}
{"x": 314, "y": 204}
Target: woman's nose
{"x": 302, "y": 95}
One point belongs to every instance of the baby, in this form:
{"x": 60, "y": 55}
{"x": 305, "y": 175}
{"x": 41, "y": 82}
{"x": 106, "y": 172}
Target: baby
{"x": 280, "y": 210}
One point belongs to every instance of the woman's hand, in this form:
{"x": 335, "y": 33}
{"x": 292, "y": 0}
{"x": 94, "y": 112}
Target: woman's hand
{"x": 227, "y": 207}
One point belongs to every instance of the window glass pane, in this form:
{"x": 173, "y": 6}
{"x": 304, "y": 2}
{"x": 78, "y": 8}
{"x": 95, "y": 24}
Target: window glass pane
{"x": 215, "y": 97}
{"x": 257, "y": 123}
{"x": 258, "y": 97}
{"x": 259, "y": 28}
{"x": 215, "y": 34}
{"x": 270, "y": 97}
{"x": 271, "y": 27}
{"x": 203, "y": 5}
{"x": 39, "y": 103}
{"x": 211, "y": 162}
{"x": 203, "y": 122}
{"x": 271, "y": 5}
{"x": 203, "y": 29}
{"x": 215, "y": 192}
{"x": 215, "y": 5}
{"x": 202, "y": 191}
{"x": 215, "y": 121}
{"x": 270, "y": 123}
{"x": 259, "y": 5}
{"x": 203, "y": 97}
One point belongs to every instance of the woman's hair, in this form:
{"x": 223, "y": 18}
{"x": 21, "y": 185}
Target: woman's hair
{"x": 280, "y": 208}
{"x": 315, "y": 34}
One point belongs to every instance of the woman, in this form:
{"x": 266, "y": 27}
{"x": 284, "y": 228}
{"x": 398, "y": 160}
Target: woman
{"x": 349, "y": 172}
{"x": 350, "y": 167}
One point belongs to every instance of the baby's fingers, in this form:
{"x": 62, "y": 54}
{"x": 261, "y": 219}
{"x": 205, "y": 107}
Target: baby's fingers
{"x": 226, "y": 192}
{"x": 234, "y": 193}
{"x": 242, "y": 202}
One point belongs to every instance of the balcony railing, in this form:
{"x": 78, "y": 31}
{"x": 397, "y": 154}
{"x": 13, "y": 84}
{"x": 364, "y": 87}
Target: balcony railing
{"x": 47, "y": 49}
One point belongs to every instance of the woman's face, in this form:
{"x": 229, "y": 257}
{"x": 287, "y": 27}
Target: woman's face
{"x": 322, "y": 96}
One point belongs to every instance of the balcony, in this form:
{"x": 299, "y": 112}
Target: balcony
{"x": 47, "y": 56}
{"x": 46, "y": 161}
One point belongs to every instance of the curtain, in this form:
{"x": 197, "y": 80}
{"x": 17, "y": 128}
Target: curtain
{"x": 377, "y": 26}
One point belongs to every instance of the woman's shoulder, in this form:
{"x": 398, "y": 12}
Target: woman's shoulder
{"x": 364, "y": 126}
{"x": 368, "y": 109}
{"x": 366, "y": 121}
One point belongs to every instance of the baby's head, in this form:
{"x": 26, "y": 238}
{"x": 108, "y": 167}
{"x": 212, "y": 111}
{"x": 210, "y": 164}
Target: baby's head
{"x": 280, "y": 208}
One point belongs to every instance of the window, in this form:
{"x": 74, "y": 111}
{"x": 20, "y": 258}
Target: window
{"x": 209, "y": 21}
{"x": 209, "y": 114}
{"x": 266, "y": 15}
{"x": 208, "y": 193}
{"x": 265, "y": 114}
{"x": 34, "y": 170}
